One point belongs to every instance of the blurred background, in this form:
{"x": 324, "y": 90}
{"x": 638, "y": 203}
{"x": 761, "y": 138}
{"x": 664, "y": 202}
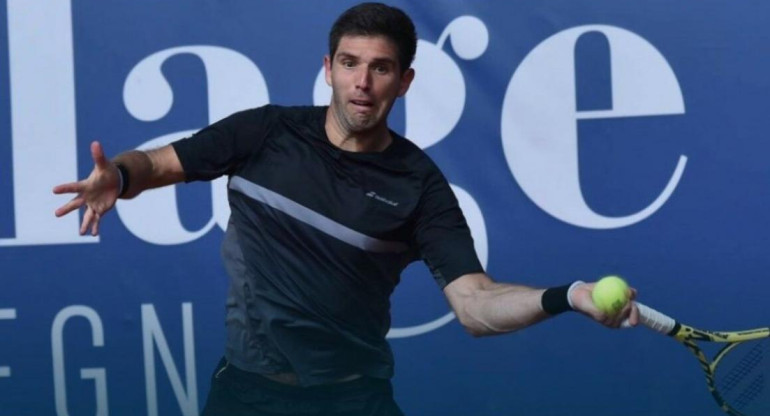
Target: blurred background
{"x": 583, "y": 138}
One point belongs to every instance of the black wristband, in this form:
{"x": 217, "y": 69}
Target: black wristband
{"x": 554, "y": 300}
{"x": 124, "y": 179}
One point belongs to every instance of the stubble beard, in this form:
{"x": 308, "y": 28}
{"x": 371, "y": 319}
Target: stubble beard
{"x": 352, "y": 122}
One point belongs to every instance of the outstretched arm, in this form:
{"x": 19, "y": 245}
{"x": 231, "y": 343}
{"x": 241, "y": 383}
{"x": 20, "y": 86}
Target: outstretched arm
{"x": 101, "y": 189}
{"x": 485, "y": 307}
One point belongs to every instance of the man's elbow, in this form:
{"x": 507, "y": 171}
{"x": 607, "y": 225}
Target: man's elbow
{"x": 477, "y": 328}
{"x": 478, "y": 331}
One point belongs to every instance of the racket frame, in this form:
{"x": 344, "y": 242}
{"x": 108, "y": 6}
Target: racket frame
{"x": 688, "y": 336}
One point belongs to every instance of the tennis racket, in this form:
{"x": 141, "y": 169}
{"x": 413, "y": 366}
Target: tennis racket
{"x": 738, "y": 376}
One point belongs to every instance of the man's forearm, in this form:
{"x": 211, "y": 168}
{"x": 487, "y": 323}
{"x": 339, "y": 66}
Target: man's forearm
{"x": 144, "y": 170}
{"x": 135, "y": 173}
{"x": 485, "y": 307}
{"x": 501, "y": 308}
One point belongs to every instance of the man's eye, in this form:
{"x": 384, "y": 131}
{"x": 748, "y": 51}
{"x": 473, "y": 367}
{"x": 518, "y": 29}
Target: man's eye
{"x": 381, "y": 69}
{"x": 348, "y": 64}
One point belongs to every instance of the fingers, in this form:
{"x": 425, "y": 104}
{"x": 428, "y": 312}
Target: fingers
{"x": 69, "y": 188}
{"x": 91, "y": 189}
{"x": 91, "y": 220}
{"x": 74, "y": 204}
{"x": 618, "y": 319}
{"x": 97, "y": 153}
{"x": 88, "y": 217}
{"x": 627, "y": 317}
{"x": 631, "y": 311}
{"x": 633, "y": 317}
{"x": 611, "y": 321}
{"x": 95, "y": 226}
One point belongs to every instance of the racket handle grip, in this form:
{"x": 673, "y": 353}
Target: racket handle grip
{"x": 653, "y": 319}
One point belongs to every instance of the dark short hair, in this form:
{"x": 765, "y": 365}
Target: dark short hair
{"x": 377, "y": 19}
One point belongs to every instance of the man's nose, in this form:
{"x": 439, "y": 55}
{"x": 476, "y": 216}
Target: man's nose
{"x": 363, "y": 78}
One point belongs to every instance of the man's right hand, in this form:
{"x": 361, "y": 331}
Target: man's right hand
{"x": 583, "y": 303}
{"x": 98, "y": 193}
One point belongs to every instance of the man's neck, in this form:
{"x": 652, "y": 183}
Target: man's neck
{"x": 374, "y": 140}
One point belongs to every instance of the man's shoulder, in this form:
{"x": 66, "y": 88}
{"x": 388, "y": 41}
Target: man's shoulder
{"x": 296, "y": 113}
{"x": 273, "y": 111}
{"x": 260, "y": 120}
{"x": 412, "y": 155}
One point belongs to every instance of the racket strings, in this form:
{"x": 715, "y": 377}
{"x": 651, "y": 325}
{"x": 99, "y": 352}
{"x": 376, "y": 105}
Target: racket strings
{"x": 741, "y": 369}
{"x": 750, "y": 393}
{"x": 742, "y": 377}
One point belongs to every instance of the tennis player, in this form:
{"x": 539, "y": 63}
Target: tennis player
{"x": 328, "y": 207}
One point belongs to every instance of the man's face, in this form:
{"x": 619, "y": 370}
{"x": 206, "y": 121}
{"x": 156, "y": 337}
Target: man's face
{"x": 365, "y": 78}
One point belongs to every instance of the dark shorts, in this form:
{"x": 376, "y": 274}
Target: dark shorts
{"x": 235, "y": 392}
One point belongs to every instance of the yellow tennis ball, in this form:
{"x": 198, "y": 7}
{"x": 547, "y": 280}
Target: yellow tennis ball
{"x": 610, "y": 294}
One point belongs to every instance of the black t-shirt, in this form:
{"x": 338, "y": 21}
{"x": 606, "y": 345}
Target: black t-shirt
{"x": 318, "y": 237}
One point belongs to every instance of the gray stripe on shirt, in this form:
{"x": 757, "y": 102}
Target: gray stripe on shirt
{"x": 314, "y": 219}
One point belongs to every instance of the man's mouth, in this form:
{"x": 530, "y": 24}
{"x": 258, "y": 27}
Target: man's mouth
{"x": 361, "y": 103}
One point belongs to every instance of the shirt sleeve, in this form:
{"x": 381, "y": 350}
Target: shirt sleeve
{"x": 222, "y": 147}
{"x": 442, "y": 234}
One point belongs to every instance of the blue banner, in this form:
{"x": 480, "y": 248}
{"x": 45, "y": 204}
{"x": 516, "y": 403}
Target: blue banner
{"x": 582, "y": 138}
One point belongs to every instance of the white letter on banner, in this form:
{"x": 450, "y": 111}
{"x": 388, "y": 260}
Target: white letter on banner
{"x": 7, "y": 313}
{"x": 99, "y": 375}
{"x": 234, "y": 84}
{"x": 539, "y": 119}
{"x": 43, "y": 135}
{"x": 152, "y": 334}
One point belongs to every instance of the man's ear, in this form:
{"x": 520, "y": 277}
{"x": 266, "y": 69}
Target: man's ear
{"x": 406, "y": 80}
{"x": 328, "y": 70}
